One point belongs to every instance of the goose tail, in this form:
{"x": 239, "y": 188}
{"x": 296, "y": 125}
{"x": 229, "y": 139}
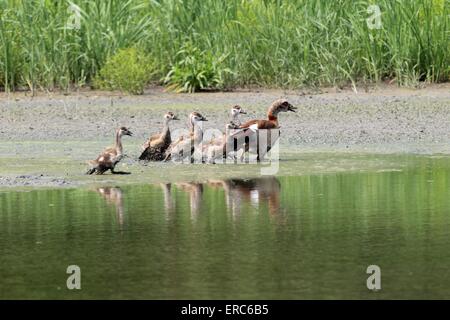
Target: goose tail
{"x": 143, "y": 155}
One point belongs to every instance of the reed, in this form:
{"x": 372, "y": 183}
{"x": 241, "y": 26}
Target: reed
{"x": 269, "y": 43}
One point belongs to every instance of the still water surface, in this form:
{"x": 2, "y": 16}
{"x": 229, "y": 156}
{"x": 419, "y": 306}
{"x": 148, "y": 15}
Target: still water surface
{"x": 284, "y": 237}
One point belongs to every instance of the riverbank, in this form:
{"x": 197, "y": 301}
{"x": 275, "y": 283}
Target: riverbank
{"x": 53, "y": 135}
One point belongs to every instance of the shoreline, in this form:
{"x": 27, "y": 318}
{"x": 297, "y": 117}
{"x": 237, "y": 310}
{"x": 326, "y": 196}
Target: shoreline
{"x": 54, "y": 136}
{"x": 18, "y": 174}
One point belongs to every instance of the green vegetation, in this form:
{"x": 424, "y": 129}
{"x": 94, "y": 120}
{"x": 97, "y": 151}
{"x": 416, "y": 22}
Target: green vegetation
{"x": 196, "y": 70}
{"x": 62, "y": 44}
{"x": 128, "y": 70}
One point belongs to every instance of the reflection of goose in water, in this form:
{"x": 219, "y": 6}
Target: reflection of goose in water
{"x": 233, "y": 198}
{"x": 195, "y": 191}
{"x": 168, "y": 200}
{"x": 114, "y": 196}
{"x": 253, "y": 191}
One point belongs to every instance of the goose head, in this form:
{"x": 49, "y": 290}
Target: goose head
{"x": 282, "y": 105}
{"x": 170, "y": 116}
{"x": 196, "y": 118}
{"x": 236, "y": 111}
{"x": 123, "y": 131}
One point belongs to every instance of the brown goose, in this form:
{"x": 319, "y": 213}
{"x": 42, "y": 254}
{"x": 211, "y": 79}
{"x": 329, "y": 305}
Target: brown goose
{"x": 155, "y": 147}
{"x": 108, "y": 159}
{"x": 250, "y": 128}
{"x": 280, "y": 105}
{"x": 186, "y": 145}
{"x": 226, "y": 145}
{"x": 233, "y": 124}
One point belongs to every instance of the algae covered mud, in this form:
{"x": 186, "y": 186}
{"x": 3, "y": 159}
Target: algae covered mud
{"x": 362, "y": 180}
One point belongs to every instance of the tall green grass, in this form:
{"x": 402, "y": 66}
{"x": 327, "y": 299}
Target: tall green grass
{"x": 270, "y": 43}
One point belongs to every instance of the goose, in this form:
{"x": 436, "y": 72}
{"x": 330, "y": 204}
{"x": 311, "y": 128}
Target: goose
{"x": 250, "y": 128}
{"x": 223, "y": 145}
{"x": 111, "y": 156}
{"x": 234, "y": 123}
{"x": 235, "y": 112}
{"x": 221, "y": 148}
{"x": 155, "y": 147}
{"x": 182, "y": 137}
{"x": 187, "y": 145}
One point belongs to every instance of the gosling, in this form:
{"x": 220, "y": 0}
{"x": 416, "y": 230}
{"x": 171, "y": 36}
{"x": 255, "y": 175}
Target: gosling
{"x": 234, "y": 123}
{"x": 185, "y": 146}
{"x": 111, "y": 156}
{"x": 155, "y": 147}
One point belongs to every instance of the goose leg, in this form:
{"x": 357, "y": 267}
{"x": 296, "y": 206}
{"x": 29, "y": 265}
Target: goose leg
{"x": 100, "y": 171}
{"x": 246, "y": 151}
{"x": 167, "y": 157}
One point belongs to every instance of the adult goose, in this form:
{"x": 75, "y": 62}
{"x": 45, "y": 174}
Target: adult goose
{"x": 249, "y": 133}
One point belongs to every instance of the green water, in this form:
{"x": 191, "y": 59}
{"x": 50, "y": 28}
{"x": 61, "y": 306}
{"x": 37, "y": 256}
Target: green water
{"x": 285, "y": 237}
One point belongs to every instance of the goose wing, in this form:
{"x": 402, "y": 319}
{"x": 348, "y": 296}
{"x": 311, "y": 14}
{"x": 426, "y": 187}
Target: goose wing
{"x": 250, "y": 127}
{"x": 151, "y": 141}
{"x": 173, "y": 146}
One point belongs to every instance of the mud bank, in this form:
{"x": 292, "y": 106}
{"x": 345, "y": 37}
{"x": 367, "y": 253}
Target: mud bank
{"x": 47, "y": 139}
{"x": 386, "y": 116}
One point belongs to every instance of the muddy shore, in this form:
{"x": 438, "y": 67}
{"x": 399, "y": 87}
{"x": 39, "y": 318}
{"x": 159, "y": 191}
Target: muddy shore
{"x": 73, "y": 127}
{"x": 388, "y": 116}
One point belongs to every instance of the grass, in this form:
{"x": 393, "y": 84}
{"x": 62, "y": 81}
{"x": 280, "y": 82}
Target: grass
{"x": 128, "y": 70}
{"x": 269, "y": 43}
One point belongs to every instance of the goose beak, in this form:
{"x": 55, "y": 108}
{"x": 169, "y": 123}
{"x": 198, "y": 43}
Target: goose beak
{"x": 129, "y": 133}
{"x": 242, "y": 112}
{"x": 175, "y": 118}
{"x": 292, "y": 108}
{"x": 203, "y": 119}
